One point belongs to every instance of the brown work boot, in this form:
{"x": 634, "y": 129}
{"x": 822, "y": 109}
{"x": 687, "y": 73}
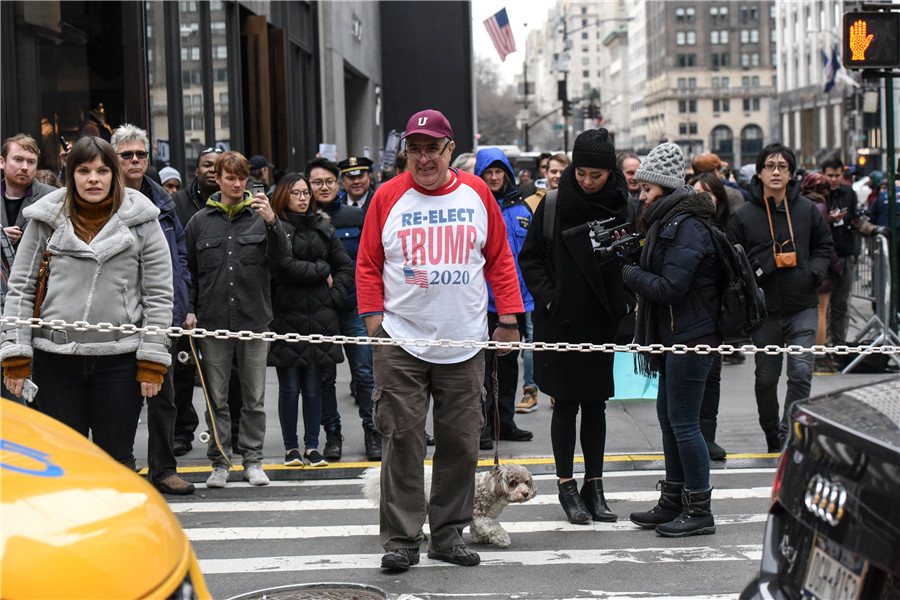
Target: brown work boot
{"x": 175, "y": 485}
{"x": 529, "y": 400}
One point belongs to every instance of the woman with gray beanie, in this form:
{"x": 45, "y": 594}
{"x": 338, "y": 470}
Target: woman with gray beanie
{"x": 578, "y": 299}
{"x": 677, "y": 284}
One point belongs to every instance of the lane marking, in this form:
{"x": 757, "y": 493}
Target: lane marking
{"x": 359, "y": 562}
{"x": 356, "y": 481}
{"x": 209, "y": 506}
{"x": 221, "y": 534}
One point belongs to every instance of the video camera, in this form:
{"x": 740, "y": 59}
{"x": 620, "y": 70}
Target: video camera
{"x": 608, "y": 248}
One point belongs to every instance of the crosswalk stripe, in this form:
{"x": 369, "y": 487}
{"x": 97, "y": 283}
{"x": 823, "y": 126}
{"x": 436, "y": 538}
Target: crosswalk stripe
{"x": 272, "y": 564}
{"x": 221, "y": 534}
{"x": 362, "y": 503}
{"x": 355, "y": 481}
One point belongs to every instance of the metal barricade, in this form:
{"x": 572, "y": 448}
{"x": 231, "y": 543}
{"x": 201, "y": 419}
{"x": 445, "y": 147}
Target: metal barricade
{"x": 874, "y": 279}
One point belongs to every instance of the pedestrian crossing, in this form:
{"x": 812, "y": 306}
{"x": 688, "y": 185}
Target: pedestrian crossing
{"x": 313, "y": 531}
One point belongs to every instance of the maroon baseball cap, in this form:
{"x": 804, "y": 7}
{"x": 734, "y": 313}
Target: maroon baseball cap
{"x": 430, "y": 122}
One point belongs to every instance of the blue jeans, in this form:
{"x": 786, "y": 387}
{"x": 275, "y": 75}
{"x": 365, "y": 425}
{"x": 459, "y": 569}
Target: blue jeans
{"x": 360, "y": 359}
{"x": 797, "y": 328}
{"x": 681, "y": 384}
{"x": 528, "y": 355}
{"x": 291, "y": 382}
{"x": 96, "y": 394}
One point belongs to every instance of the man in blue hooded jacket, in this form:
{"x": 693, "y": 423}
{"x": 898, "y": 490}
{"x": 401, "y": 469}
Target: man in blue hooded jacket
{"x": 494, "y": 168}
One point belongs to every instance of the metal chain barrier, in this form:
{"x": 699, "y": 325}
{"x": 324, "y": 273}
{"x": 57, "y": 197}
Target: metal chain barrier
{"x": 271, "y": 336}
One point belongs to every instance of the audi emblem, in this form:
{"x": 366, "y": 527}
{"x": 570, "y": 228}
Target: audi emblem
{"x": 825, "y": 499}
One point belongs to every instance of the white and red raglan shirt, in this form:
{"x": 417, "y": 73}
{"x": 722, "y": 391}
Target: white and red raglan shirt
{"x": 424, "y": 258}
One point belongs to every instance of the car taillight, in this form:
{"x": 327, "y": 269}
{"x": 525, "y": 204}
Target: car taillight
{"x": 779, "y": 473}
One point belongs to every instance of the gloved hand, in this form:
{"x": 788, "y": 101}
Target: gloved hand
{"x": 881, "y": 230}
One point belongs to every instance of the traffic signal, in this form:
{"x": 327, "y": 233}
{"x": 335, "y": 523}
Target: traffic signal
{"x": 871, "y": 40}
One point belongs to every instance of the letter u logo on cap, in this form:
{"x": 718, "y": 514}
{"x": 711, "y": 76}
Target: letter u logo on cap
{"x": 422, "y": 121}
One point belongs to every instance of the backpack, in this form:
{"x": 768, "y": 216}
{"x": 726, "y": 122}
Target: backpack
{"x": 743, "y": 307}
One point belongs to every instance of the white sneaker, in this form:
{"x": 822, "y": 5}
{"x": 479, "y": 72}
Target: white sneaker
{"x": 218, "y": 478}
{"x": 253, "y": 472}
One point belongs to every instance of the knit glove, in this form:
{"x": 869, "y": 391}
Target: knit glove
{"x": 150, "y": 372}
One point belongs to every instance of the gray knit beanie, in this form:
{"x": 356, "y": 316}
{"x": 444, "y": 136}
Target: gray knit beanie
{"x": 593, "y": 149}
{"x": 664, "y": 166}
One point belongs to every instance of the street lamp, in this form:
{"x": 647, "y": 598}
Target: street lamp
{"x": 563, "y": 65}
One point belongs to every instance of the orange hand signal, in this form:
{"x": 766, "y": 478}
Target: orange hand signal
{"x": 859, "y": 41}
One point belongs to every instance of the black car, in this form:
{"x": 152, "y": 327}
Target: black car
{"x": 833, "y": 530}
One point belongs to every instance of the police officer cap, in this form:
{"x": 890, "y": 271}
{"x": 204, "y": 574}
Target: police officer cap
{"x": 355, "y": 165}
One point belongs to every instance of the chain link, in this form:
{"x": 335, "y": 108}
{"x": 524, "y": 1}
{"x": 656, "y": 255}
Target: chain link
{"x": 317, "y": 338}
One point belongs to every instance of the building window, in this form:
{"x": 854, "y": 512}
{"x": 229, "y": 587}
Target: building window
{"x": 713, "y": 37}
{"x": 745, "y": 36}
{"x": 586, "y": 74}
{"x": 682, "y": 128}
{"x": 721, "y": 105}
{"x": 689, "y": 14}
{"x": 756, "y": 104}
{"x": 584, "y": 35}
{"x": 726, "y": 59}
{"x": 749, "y": 13}
{"x": 679, "y": 14}
{"x": 745, "y": 81}
{"x": 725, "y": 82}
{"x": 692, "y": 82}
{"x": 723, "y": 12}
{"x": 754, "y": 59}
{"x": 723, "y": 36}
{"x": 773, "y": 35}
{"x": 754, "y": 36}
{"x": 746, "y": 104}
{"x": 682, "y": 83}
{"x": 745, "y": 59}
{"x": 691, "y": 38}
{"x": 679, "y": 38}
{"x": 754, "y": 81}
{"x": 715, "y": 106}
{"x": 692, "y": 106}
{"x": 726, "y": 105}
{"x": 715, "y": 60}
{"x": 682, "y": 106}
{"x": 715, "y": 82}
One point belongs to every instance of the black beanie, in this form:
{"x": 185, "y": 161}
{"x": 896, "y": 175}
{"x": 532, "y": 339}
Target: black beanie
{"x": 593, "y": 149}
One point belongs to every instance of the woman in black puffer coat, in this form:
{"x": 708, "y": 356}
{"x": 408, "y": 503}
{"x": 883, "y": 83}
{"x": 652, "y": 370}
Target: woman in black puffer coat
{"x": 307, "y": 290}
{"x": 677, "y": 284}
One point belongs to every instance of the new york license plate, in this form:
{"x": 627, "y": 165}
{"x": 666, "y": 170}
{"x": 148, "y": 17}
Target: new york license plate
{"x": 833, "y": 573}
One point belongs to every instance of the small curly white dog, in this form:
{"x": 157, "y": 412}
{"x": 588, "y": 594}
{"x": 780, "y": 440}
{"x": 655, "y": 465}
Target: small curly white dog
{"x": 494, "y": 490}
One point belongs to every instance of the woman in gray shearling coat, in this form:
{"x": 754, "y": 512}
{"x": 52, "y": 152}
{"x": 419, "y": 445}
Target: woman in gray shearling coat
{"x": 109, "y": 264}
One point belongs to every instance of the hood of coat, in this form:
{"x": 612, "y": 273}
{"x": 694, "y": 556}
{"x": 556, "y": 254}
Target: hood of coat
{"x": 136, "y": 209}
{"x": 487, "y": 156}
{"x": 756, "y": 191}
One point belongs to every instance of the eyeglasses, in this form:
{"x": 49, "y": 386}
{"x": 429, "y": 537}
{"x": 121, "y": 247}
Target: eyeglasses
{"x": 323, "y": 182}
{"x": 208, "y": 150}
{"x": 131, "y": 154}
{"x": 300, "y": 194}
{"x": 772, "y": 167}
{"x": 430, "y": 153}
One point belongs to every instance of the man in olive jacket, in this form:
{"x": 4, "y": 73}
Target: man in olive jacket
{"x": 232, "y": 244}
{"x": 790, "y": 257}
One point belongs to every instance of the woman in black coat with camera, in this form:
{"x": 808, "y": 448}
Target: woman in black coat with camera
{"x": 308, "y": 288}
{"x": 578, "y": 298}
{"x": 677, "y": 283}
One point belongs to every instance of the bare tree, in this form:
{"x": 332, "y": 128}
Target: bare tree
{"x": 496, "y": 107}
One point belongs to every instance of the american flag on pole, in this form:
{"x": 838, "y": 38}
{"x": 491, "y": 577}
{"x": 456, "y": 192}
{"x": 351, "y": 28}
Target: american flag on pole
{"x": 417, "y": 277}
{"x": 501, "y": 33}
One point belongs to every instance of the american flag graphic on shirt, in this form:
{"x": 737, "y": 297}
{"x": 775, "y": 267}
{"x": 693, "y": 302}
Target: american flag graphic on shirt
{"x": 417, "y": 277}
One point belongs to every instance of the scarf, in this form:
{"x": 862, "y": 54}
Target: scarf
{"x": 658, "y": 214}
{"x": 231, "y": 210}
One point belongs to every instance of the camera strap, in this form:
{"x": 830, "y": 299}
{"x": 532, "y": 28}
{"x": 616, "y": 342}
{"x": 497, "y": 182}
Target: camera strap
{"x": 772, "y": 229}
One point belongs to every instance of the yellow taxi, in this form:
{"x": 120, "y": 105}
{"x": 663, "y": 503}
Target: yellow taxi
{"x": 77, "y": 524}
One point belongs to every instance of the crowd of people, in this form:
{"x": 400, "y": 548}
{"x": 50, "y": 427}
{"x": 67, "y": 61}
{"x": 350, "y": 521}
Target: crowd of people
{"x": 468, "y": 251}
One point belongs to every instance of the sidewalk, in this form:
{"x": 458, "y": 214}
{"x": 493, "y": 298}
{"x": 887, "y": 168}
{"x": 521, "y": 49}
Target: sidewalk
{"x": 632, "y": 427}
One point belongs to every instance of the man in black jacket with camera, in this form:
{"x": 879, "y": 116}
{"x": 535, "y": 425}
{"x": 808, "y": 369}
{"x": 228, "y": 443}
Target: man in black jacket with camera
{"x": 789, "y": 245}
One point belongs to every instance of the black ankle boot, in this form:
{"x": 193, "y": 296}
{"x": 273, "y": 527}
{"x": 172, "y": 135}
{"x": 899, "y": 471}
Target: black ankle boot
{"x": 708, "y": 429}
{"x": 668, "y": 507}
{"x": 696, "y": 517}
{"x": 592, "y": 494}
{"x": 576, "y": 511}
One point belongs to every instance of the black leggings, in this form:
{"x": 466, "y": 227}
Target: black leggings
{"x": 593, "y": 436}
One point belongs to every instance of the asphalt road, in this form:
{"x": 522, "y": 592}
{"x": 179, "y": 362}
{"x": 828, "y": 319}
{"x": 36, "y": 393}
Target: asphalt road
{"x": 323, "y": 530}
